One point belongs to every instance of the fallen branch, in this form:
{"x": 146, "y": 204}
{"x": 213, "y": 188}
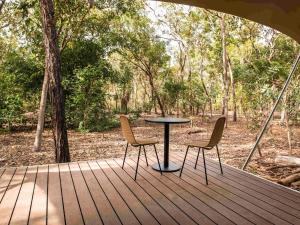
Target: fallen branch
{"x": 282, "y": 166}
{"x": 196, "y": 130}
{"x": 296, "y": 184}
{"x": 287, "y": 160}
{"x": 287, "y": 181}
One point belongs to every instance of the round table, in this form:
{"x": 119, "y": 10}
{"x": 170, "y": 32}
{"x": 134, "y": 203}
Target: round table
{"x": 167, "y": 166}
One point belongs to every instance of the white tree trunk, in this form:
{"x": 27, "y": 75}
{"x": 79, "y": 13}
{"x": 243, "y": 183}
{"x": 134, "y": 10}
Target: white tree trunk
{"x": 41, "y": 116}
{"x": 225, "y": 69}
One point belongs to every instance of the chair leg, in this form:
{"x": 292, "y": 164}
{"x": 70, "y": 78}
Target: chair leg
{"x": 204, "y": 167}
{"x": 187, "y": 149}
{"x": 125, "y": 155}
{"x": 219, "y": 159}
{"x": 137, "y": 164}
{"x": 157, "y": 159}
{"x": 145, "y": 155}
{"x": 197, "y": 157}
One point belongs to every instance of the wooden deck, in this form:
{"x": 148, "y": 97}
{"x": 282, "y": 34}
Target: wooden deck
{"x": 100, "y": 192}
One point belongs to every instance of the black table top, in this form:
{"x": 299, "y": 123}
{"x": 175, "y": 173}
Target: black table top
{"x": 170, "y": 120}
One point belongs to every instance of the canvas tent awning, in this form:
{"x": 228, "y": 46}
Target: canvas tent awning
{"x": 282, "y": 15}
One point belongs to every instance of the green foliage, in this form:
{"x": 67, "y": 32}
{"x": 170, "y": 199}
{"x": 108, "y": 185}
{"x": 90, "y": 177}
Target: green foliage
{"x": 11, "y": 104}
{"x": 117, "y": 59}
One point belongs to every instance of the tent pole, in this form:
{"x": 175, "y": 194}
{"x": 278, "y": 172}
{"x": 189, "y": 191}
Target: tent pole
{"x": 294, "y": 67}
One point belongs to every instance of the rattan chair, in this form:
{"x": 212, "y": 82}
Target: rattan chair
{"x": 135, "y": 142}
{"x": 208, "y": 145}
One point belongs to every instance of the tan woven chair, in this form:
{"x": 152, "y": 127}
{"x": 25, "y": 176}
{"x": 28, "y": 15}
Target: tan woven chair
{"x": 208, "y": 145}
{"x": 135, "y": 142}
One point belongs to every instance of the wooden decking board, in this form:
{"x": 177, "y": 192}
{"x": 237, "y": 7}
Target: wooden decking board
{"x": 125, "y": 214}
{"x": 55, "y": 209}
{"x": 280, "y": 203}
{"x": 269, "y": 199}
{"x": 103, "y": 205}
{"x": 1, "y": 172}
{"x": 88, "y": 208}
{"x": 197, "y": 189}
{"x": 238, "y": 178}
{"x": 154, "y": 208}
{"x": 264, "y": 183}
{"x": 281, "y": 216}
{"x": 287, "y": 212}
{"x": 196, "y": 209}
{"x": 259, "y": 182}
{"x": 213, "y": 207}
{"x": 170, "y": 206}
{"x": 72, "y": 210}
{"x": 133, "y": 203}
{"x": 22, "y": 208}
{"x": 5, "y": 180}
{"x": 11, "y": 196}
{"x": 195, "y": 181}
{"x": 100, "y": 192}
{"x": 38, "y": 211}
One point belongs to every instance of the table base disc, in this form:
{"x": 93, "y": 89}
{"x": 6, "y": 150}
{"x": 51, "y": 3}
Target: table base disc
{"x": 171, "y": 168}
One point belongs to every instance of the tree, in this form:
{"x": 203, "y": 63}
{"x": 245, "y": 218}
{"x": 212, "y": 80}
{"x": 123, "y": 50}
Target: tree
{"x": 68, "y": 29}
{"x": 41, "y": 115}
{"x": 53, "y": 71}
{"x": 146, "y": 53}
{"x": 225, "y": 68}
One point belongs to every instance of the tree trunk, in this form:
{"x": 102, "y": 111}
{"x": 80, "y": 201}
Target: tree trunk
{"x": 156, "y": 96}
{"x": 124, "y": 102}
{"x": 233, "y": 94}
{"x": 287, "y": 122}
{"x": 205, "y": 88}
{"x": 41, "y": 116}
{"x": 225, "y": 69}
{"x": 53, "y": 70}
{"x": 2, "y": 2}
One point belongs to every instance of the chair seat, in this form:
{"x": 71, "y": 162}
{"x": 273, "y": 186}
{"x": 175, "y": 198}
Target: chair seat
{"x": 145, "y": 141}
{"x": 199, "y": 144}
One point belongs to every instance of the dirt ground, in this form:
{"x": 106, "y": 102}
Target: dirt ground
{"x": 16, "y": 148}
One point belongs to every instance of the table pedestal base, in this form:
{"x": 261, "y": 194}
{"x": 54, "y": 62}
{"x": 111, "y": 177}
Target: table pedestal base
{"x": 171, "y": 168}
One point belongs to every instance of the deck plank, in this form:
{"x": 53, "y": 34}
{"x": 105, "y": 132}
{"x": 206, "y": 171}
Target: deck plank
{"x": 215, "y": 184}
{"x": 204, "y": 203}
{"x": 11, "y": 195}
{"x": 73, "y": 214}
{"x": 185, "y": 206}
{"x": 156, "y": 210}
{"x": 177, "y": 214}
{"x": 123, "y": 211}
{"x": 38, "y": 210}
{"x": 101, "y": 192}
{"x": 133, "y": 203}
{"x": 105, "y": 208}
{"x": 264, "y": 191}
{"x": 23, "y": 205}
{"x": 271, "y": 187}
{"x": 88, "y": 208}
{"x": 270, "y": 212}
{"x": 197, "y": 189}
{"x": 5, "y": 181}
{"x": 55, "y": 213}
{"x": 2, "y": 170}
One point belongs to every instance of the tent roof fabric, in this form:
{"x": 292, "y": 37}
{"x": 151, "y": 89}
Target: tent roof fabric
{"x": 282, "y": 15}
